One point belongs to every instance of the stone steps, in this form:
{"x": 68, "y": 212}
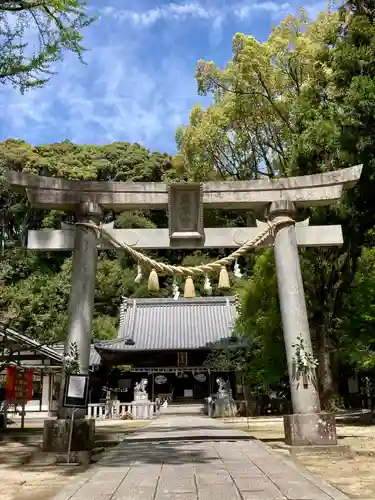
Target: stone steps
{"x": 183, "y": 409}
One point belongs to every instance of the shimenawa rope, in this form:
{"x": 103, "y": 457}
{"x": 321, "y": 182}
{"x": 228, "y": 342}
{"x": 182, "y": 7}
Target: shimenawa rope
{"x": 217, "y": 265}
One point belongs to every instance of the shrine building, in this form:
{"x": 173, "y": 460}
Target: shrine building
{"x": 164, "y": 340}
{"x": 167, "y": 341}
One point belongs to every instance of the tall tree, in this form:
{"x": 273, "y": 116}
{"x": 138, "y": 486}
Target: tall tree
{"x": 300, "y": 103}
{"x": 245, "y": 133}
{"x": 34, "y": 34}
{"x": 357, "y": 323}
{"x": 335, "y": 116}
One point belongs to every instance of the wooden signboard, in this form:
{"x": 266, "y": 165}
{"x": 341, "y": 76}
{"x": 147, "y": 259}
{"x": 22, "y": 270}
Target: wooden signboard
{"x": 19, "y": 385}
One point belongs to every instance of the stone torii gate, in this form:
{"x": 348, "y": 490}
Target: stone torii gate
{"x": 279, "y": 198}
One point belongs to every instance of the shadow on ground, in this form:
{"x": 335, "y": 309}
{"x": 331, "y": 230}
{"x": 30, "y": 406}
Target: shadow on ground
{"x": 167, "y": 452}
{"x": 192, "y": 439}
{"x": 20, "y": 435}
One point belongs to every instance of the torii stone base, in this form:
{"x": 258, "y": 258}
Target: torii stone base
{"x": 310, "y": 429}
{"x": 56, "y": 435}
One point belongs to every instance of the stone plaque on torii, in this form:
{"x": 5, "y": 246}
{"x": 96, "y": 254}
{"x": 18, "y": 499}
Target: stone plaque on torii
{"x": 279, "y": 198}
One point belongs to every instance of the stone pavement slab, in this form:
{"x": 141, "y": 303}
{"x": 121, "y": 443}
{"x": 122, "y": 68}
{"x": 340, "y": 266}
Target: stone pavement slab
{"x": 195, "y": 458}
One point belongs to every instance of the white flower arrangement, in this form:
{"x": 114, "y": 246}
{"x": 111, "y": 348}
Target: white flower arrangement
{"x": 306, "y": 362}
{"x": 71, "y": 359}
{"x": 207, "y": 285}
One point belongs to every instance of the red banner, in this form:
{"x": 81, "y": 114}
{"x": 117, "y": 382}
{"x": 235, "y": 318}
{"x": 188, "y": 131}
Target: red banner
{"x": 29, "y": 384}
{"x": 19, "y": 384}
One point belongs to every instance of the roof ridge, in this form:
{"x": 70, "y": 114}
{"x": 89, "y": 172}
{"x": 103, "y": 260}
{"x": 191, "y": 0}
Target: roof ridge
{"x": 225, "y": 300}
{"x": 123, "y": 307}
{"x": 48, "y": 350}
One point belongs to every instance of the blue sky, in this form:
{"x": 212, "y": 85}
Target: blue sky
{"x": 138, "y": 84}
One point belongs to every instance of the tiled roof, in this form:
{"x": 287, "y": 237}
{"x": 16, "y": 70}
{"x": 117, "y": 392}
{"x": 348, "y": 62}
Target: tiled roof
{"x": 160, "y": 324}
{"x": 95, "y": 358}
{"x": 29, "y": 343}
{"x": 54, "y": 352}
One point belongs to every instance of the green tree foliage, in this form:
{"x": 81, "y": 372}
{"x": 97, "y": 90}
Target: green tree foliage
{"x": 245, "y": 133}
{"x": 35, "y": 285}
{"x": 35, "y": 34}
{"x": 259, "y": 320}
{"x": 357, "y": 325}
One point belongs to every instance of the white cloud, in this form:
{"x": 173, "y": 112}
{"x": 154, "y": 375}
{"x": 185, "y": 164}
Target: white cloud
{"x": 130, "y": 90}
{"x": 314, "y": 8}
{"x": 170, "y": 11}
{"x": 195, "y": 10}
{"x": 114, "y": 98}
{"x": 246, "y": 10}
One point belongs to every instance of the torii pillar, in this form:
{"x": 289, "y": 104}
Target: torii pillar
{"x": 307, "y": 425}
{"x": 81, "y": 298}
{"x": 280, "y": 197}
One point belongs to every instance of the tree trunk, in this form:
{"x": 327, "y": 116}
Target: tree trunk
{"x": 326, "y": 374}
{"x": 250, "y": 404}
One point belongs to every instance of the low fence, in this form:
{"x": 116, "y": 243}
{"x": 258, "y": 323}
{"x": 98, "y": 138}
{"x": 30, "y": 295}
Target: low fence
{"x": 255, "y": 408}
{"x": 114, "y": 410}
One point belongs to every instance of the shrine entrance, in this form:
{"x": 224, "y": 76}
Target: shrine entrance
{"x": 175, "y": 361}
{"x": 186, "y": 388}
{"x": 277, "y": 200}
{"x": 189, "y": 386}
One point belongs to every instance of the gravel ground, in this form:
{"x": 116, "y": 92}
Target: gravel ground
{"x": 351, "y": 470}
{"x": 26, "y": 473}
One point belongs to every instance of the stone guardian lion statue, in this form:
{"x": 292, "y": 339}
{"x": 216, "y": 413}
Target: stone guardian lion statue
{"x": 141, "y": 386}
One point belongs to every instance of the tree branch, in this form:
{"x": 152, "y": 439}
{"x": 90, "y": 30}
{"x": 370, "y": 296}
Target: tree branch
{"x": 9, "y": 5}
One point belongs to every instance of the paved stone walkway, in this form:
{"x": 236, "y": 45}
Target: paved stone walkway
{"x": 195, "y": 458}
